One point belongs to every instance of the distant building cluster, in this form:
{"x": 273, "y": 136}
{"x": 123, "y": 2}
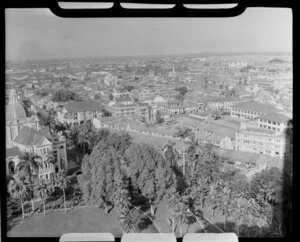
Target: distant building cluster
{"x": 238, "y": 104}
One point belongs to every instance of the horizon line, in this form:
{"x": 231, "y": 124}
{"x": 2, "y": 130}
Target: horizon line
{"x": 210, "y": 53}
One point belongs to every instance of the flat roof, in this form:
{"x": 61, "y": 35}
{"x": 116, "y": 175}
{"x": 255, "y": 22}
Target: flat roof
{"x": 256, "y": 107}
{"x": 276, "y": 117}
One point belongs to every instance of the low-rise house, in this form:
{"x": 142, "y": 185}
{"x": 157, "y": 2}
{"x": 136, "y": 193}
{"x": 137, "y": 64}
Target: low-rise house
{"x": 222, "y": 103}
{"x": 76, "y": 112}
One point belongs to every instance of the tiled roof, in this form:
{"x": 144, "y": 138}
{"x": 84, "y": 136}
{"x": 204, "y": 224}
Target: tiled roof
{"x": 82, "y": 106}
{"x": 29, "y": 136}
{"x": 123, "y": 99}
{"x": 255, "y": 107}
{"x": 15, "y": 151}
{"x": 227, "y": 99}
{"x": 275, "y": 117}
{"x": 260, "y": 130}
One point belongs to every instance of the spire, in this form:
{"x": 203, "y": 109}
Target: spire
{"x": 13, "y": 97}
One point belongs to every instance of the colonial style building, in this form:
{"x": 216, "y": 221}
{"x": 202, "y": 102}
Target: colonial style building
{"x": 77, "y": 112}
{"x": 39, "y": 143}
{"x": 260, "y": 140}
{"x": 251, "y": 110}
{"x": 17, "y": 117}
{"x": 123, "y": 106}
{"x": 273, "y": 121}
{"x": 223, "y": 104}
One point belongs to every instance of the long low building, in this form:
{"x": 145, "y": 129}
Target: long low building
{"x": 251, "y": 110}
{"x": 222, "y": 103}
{"x": 259, "y": 140}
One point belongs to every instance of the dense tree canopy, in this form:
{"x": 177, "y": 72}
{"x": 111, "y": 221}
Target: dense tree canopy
{"x": 65, "y": 95}
{"x": 150, "y": 172}
{"x": 182, "y": 90}
{"x": 102, "y": 171}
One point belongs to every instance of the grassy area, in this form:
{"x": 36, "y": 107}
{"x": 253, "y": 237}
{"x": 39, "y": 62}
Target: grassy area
{"x": 152, "y": 140}
{"x": 56, "y": 223}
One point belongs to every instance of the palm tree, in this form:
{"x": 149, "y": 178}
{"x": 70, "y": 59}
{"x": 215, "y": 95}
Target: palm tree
{"x": 62, "y": 182}
{"x": 47, "y": 119}
{"x": 171, "y": 153}
{"x": 18, "y": 190}
{"x": 194, "y": 152}
{"x": 225, "y": 203}
{"x": 214, "y": 198}
{"x": 50, "y": 159}
{"x": 184, "y": 134}
{"x": 42, "y": 189}
{"x": 29, "y": 166}
{"x": 87, "y": 136}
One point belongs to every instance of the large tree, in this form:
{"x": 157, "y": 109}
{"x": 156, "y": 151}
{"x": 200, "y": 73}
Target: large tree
{"x": 43, "y": 190}
{"x": 184, "y": 134}
{"x": 48, "y": 119}
{"x": 122, "y": 204}
{"x": 18, "y": 190}
{"x": 101, "y": 172}
{"x": 171, "y": 154}
{"x": 29, "y": 168}
{"x": 62, "y": 181}
{"x": 65, "y": 95}
{"x": 150, "y": 173}
{"x": 86, "y": 137}
{"x": 266, "y": 186}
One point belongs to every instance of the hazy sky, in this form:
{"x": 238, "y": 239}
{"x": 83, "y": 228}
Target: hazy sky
{"x": 39, "y": 34}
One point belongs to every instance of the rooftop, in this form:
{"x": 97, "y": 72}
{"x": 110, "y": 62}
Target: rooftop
{"x": 28, "y": 136}
{"x": 276, "y": 117}
{"x": 260, "y": 130}
{"x": 256, "y": 107}
{"x": 82, "y": 106}
{"x": 15, "y": 151}
{"x": 123, "y": 99}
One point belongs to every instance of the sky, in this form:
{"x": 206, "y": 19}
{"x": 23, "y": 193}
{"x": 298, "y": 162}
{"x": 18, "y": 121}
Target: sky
{"x": 39, "y": 34}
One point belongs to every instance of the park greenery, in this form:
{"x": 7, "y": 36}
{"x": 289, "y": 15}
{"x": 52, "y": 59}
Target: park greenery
{"x": 65, "y": 95}
{"x": 121, "y": 175}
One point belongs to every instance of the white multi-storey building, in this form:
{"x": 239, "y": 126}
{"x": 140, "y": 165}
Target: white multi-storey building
{"x": 251, "y": 110}
{"x": 273, "y": 121}
{"x": 261, "y": 141}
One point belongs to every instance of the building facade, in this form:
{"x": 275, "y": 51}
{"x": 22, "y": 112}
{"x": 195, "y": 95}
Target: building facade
{"x": 77, "y": 112}
{"x": 251, "y": 110}
{"x": 275, "y": 121}
{"x": 36, "y": 142}
{"x": 260, "y": 141}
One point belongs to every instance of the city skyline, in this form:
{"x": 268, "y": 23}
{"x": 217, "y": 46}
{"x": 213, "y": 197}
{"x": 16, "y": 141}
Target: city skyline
{"x": 256, "y": 30}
